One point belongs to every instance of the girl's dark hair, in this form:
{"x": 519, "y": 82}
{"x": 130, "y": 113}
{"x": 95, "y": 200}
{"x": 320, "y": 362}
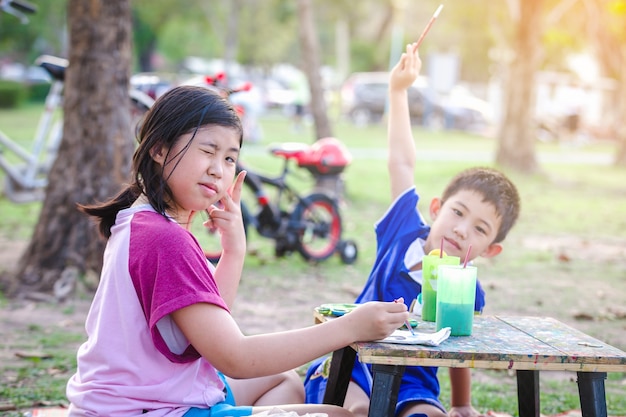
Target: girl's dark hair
{"x": 179, "y": 111}
{"x": 495, "y": 188}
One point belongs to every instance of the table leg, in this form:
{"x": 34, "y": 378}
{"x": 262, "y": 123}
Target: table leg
{"x": 592, "y": 394}
{"x": 339, "y": 375}
{"x": 528, "y": 393}
{"x": 387, "y": 379}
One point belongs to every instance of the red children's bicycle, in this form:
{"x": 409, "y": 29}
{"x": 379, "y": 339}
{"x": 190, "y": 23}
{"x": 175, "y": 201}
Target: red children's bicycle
{"x": 308, "y": 224}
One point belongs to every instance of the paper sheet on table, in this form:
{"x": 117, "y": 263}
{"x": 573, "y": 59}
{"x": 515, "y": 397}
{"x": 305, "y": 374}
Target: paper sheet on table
{"x": 404, "y": 337}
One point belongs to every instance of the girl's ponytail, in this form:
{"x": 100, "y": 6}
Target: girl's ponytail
{"x": 107, "y": 212}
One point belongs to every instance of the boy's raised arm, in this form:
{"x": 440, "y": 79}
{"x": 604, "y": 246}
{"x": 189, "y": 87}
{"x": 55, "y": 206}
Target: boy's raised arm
{"x": 401, "y": 146}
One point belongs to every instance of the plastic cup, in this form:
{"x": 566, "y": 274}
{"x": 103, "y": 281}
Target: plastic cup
{"x": 456, "y": 293}
{"x": 429, "y": 280}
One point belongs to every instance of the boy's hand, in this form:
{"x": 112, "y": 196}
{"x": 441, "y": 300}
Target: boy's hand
{"x": 228, "y": 220}
{"x": 375, "y": 320}
{"x": 406, "y": 70}
{"x": 464, "y": 411}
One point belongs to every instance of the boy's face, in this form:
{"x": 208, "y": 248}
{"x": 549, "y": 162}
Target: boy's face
{"x": 464, "y": 220}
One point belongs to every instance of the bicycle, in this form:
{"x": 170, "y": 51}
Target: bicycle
{"x": 18, "y": 8}
{"x": 26, "y": 180}
{"x": 308, "y": 224}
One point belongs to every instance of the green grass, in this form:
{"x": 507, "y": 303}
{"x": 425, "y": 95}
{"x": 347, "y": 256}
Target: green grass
{"x": 28, "y": 382}
{"x": 20, "y": 124}
{"x": 557, "y": 395}
{"x": 573, "y": 214}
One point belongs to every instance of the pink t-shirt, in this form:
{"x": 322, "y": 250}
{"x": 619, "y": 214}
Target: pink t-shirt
{"x": 152, "y": 267}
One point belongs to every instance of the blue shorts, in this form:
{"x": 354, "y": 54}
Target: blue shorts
{"x": 226, "y": 408}
{"x": 419, "y": 385}
{"x": 222, "y": 409}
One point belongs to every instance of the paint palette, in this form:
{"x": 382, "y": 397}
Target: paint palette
{"x": 336, "y": 310}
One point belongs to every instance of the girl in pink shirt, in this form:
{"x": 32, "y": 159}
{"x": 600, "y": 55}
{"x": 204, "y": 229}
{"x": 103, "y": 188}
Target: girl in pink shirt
{"x": 161, "y": 340}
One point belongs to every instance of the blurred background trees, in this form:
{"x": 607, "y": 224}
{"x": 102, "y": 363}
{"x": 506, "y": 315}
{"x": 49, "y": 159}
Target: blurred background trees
{"x": 165, "y": 33}
{"x": 483, "y": 40}
{"x": 505, "y": 51}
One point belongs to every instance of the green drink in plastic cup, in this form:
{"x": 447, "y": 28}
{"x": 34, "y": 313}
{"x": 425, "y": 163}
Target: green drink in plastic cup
{"x": 455, "y": 299}
{"x": 430, "y": 263}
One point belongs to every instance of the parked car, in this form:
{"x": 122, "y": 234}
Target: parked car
{"x": 364, "y": 101}
{"x": 364, "y": 98}
{"x": 465, "y": 111}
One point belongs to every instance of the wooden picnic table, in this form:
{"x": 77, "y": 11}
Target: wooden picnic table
{"x": 526, "y": 344}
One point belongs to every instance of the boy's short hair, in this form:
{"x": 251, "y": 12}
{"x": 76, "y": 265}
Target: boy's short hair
{"x": 495, "y": 188}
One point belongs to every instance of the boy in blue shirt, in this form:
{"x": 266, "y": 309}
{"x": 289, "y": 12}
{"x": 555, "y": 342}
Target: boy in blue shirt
{"x": 478, "y": 208}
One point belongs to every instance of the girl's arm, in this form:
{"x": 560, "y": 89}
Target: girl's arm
{"x": 216, "y": 336}
{"x": 401, "y": 146}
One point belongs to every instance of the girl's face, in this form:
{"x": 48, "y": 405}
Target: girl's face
{"x": 200, "y": 175}
{"x": 463, "y": 220}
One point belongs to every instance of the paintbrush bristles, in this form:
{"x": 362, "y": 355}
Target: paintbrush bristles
{"x": 436, "y": 15}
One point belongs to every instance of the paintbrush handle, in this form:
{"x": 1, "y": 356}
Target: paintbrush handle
{"x": 406, "y": 322}
{"x": 427, "y": 28}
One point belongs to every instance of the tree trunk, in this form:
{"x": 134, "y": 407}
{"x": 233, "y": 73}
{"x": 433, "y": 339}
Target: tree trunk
{"x": 611, "y": 53}
{"x": 94, "y": 155}
{"x": 144, "y": 42}
{"x": 232, "y": 36}
{"x": 332, "y": 185}
{"x": 516, "y": 140}
{"x": 311, "y": 61}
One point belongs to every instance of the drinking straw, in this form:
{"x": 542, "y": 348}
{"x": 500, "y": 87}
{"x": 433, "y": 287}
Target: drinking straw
{"x": 469, "y": 249}
{"x": 441, "y": 249}
{"x": 427, "y": 28}
{"x": 406, "y": 322}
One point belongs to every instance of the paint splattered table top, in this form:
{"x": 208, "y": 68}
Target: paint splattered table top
{"x": 504, "y": 342}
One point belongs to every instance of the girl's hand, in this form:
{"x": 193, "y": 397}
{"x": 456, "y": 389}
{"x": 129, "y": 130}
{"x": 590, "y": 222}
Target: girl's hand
{"x": 227, "y": 220}
{"x": 406, "y": 70}
{"x": 375, "y": 320}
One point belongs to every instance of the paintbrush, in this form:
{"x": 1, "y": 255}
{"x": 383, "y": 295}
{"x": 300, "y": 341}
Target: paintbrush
{"x": 406, "y": 322}
{"x": 427, "y": 28}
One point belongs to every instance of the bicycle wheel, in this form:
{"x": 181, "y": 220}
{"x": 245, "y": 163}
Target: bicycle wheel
{"x": 348, "y": 251}
{"x": 317, "y": 223}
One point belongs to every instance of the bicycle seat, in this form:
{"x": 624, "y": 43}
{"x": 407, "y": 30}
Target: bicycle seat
{"x": 289, "y": 150}
{"x": 55, "y": 66}
{"x": 327, "y": 156}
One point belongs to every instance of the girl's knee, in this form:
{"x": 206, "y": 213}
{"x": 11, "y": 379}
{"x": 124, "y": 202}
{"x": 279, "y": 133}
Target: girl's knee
{"x": 292, "y": 380}
{"x": 292, "y": 377}
{"x": 426, "y": 410}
